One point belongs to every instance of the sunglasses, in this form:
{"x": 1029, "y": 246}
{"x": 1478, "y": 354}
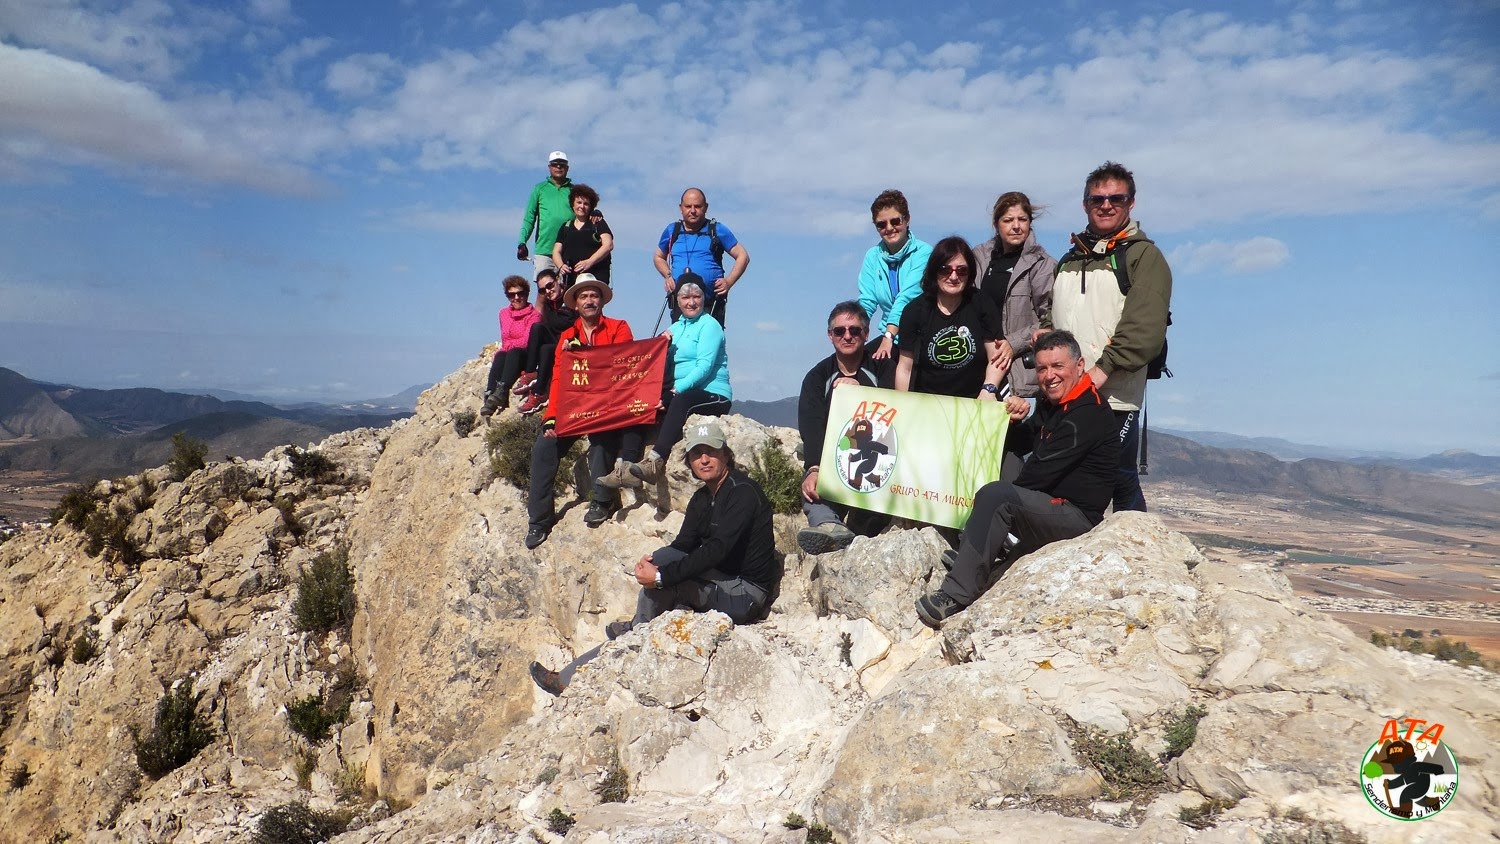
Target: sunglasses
{"x": 562, "y": 164}
{"x": 961, "y": 271}
{"x": 882, "y": 225}
{"x": 851, "y": 330}
{"x": 517, "y": 294}
{"x": 1097, "y": 199}
{"x": 547, "y": 288}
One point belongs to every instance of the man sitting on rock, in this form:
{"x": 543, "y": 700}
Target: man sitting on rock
{"x": 587, "y": 296}
{"x": 724, "y": 558}
{"x": 850, "y": 363}
{"x": 1063, "y": 487}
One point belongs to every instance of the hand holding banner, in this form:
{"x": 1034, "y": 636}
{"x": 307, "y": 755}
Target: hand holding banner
{"x": 914, "y": 455}
{"x": 601, "y": 388}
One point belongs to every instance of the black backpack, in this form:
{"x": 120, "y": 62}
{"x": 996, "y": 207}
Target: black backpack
{"x": 715, "y": 246}
{"x": 1157, "y": 367}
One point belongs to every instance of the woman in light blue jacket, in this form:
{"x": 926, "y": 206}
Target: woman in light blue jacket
{"x": 891, "y": 275}
{"x": 700, "y": 381}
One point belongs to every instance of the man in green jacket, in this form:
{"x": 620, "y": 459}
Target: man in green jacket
{"x": 1120, "y": 319}
{"x": 546, "y": 210}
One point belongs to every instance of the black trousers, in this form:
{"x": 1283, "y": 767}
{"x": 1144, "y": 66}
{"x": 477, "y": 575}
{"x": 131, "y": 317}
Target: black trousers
{"x": 504, "y": 370}
{"x": 683, "y": 405}
{"x": 1036, "y": 519}
{"x": 547, "y": 454}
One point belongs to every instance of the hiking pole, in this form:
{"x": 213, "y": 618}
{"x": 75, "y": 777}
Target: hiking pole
{"x": 663, "y": 312}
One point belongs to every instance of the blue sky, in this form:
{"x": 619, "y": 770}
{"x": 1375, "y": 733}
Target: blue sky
{"x": 318, "y": 200}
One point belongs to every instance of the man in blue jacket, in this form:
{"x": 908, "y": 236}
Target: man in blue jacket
{"x": 698, "y": 243}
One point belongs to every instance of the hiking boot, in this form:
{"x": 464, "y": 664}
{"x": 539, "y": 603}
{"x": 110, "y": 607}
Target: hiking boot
{"x": 532, "y": 404}
{"x": 598, "y": 514}
{"x": 820, "y": 539}
{"x": 548, "y": 681}
{"x": 649, "y": 470}
{"x": 524, "y": 383}
{"x": 950, "y": 559}
{"x": 536, "y": 536}
{"x": 616, "y": 629}
{"x": 493, "y": 402}
{"x": 620, "y": 478}
{"x": 934, "y": 607}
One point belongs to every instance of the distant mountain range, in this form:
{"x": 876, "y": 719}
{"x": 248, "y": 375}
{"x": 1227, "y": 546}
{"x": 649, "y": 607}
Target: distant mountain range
{"x": 85, "y": 433}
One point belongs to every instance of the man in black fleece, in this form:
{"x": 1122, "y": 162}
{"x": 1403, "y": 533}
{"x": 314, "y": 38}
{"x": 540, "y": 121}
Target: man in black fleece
{"x": 1062, "y": 490}
{"x": 724, "y": 558}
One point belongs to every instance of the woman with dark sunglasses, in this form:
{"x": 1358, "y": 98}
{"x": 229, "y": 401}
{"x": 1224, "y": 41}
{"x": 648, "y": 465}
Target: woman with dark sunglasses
{"x": 950, "y": 337}
{"x": 891, "y": 274}
{"x": 516, "y": 321}
{"x": 1015, "y": 273}
{"x": 541, "y": 347}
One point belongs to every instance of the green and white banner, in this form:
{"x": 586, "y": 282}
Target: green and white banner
{"x": 913, "y": 455}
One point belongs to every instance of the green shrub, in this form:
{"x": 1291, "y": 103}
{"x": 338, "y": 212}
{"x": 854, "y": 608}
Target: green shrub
{"x": 177, "y": 735}
{"x": 1205, "y": 814}
{"x": 310, "y": 465}
{"x": 142, "y": 496}
{"x": 1319, "y": 832}
{"x": 1128, "y": 773}
{"x": 18, "y": 777}
{"x": 85, "y": 646}
{"x": 615, "y": 785}
{"x": 296, "y": 823}
{"x": 464, "y": 421}
{"x": 187, "y": 456}
{"x": 235, "y": 481}
{"x": 108, "y": 529}
{"x": 778, "y": 477}
{"x": 325, "y": 593}
{"x": 1182, "y": 731}
{"x": 509, "y": 442}
{"x": 76, "y": 506}
{"x": 559, "y": 822}
{"x": 350, "y": 783}
{"x": 312, "y": 718}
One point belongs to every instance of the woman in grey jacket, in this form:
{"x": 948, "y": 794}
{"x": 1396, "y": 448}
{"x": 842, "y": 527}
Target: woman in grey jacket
{"x": 1016, "y": 272}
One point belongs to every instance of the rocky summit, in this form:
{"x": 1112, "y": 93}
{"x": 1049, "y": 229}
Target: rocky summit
{"x": 1114, "y": 688}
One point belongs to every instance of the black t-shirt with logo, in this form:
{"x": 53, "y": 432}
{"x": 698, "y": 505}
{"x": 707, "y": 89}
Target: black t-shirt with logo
{"x": 578, "y": 244}
{"x": 949, "y": 348}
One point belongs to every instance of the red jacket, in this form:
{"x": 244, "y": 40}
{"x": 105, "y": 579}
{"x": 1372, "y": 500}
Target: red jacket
{"x": 608, "y": 331}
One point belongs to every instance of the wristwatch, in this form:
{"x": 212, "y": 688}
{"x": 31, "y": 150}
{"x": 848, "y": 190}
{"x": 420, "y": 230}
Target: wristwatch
{"x": 992, "y": 389}
{"x": 658, "y": 578}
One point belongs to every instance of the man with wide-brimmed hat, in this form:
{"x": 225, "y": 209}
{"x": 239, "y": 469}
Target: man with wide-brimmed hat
{"x": 587, "y": 296}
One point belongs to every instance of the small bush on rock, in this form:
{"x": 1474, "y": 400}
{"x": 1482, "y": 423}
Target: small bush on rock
{"x": 287, "y": 506}
{"x": 1128, "y": 773}
{"x": 559, "y": 822}
{"x": 325, "y": 593}
{"x": 311, "y": 718}
{"x": 509, "y": 442}
{"x": 778, "y": 477}
{"x": 177, "y": 735}
{"x": 85, "y": 646}
{"x": 310, "y": 465}
{"x": 108, "y": 529}
{"x": 297, "y": 823}
{"x": 1182, "y": 731}
{"x": 1205, "y": 814}
{"x": 75, "y": 507}
{"x": 614, "y": 787}
{"x": 18, "y": 777}
{"x": 187, "y": 456}
{"x": 464, "y": 421}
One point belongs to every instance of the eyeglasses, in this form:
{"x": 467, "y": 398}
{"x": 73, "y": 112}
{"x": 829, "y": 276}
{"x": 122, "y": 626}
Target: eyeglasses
{"x": 517, "y": 294}
{"x": 547, "y": 288}
{"x": 882, "y": 225}
{"x": 1097, "y": 199}
{"x": 961, "y": 271}
{"x": 854, "y": 331}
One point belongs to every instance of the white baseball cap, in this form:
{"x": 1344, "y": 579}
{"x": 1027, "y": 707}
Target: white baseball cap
{"x": 556, "y": 155}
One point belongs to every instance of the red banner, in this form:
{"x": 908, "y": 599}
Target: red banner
{"x": 601, "y": 388}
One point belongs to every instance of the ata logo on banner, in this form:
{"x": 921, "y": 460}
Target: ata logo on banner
{"x": 1410, "y": 774}
{"x": 912, "y": 455}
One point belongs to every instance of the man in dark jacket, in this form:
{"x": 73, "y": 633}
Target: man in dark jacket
{"x": 850, "y": 363}
{"x": 1062, "y": 490}
{"x": 724, "y": 558}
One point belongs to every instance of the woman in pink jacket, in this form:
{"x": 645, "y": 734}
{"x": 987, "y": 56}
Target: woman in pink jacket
{"x": 515, "y": 328}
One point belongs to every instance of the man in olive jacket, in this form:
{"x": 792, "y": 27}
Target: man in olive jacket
{"x": 1120, "y": 331}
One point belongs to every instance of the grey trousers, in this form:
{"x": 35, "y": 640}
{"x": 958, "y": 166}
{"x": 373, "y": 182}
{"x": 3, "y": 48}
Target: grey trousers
{"x": 735, "y": 597}
{"x": 1001, "y": 508}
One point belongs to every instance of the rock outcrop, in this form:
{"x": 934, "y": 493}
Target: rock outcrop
{"x": 840, "y": 707}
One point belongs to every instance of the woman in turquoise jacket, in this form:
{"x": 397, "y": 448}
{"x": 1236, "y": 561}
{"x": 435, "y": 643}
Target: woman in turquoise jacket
{"x": 700, "y": 382}
{"x": 891, "y": 275}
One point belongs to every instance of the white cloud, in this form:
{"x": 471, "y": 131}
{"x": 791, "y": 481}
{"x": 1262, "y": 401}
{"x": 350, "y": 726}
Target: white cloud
{"x": 1254, "y": 255}
{"x": 359, "y": 75}
{"x": 470, "y": 220}
{"x": 768, "y": 327}
{"x": 287, "y": 60}
{"x": 271, "y": 10}
{"x": 143, "y": 39}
